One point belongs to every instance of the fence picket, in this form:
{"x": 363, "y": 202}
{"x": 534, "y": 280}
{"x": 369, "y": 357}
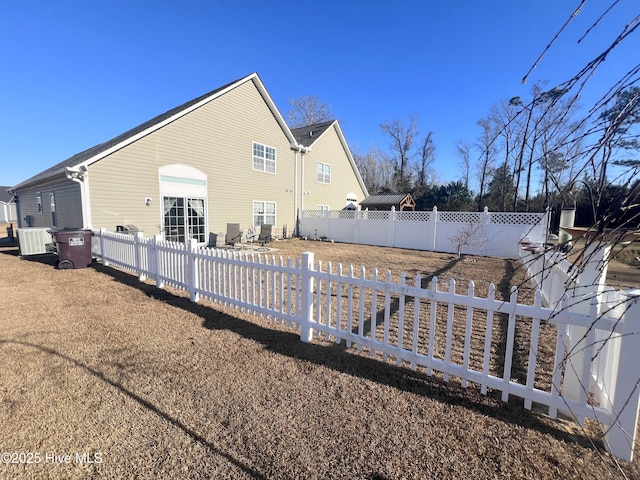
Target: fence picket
{"x": 449, "y": 337}
{"x": 327, "y": 300}
{"x": 350, "y": 306}
{"x": 432, "y": 325}
{"x": 486, "y": 357}
{"x": 416, "y": 323}
{"x": 361, "y": 292}
{"x": 338, "y": 337}
{"x": 533, "y": 350}
{"x": 387, "y": 313}
{"x": 467, "y": 335}
{"x": 401, "y": 301}
{"x": 511, "y": 333}
{"x": 374, "y": 312}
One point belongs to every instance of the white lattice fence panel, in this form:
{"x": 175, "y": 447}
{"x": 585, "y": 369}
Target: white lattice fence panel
{"x": 313, "y": 214}
{"x": 375, "y": 215}
{"x": 517, "y": 218}
{"x": 413, "y": 216}
{"x": 459, "y": 217}
{"x": 350, "y": 214}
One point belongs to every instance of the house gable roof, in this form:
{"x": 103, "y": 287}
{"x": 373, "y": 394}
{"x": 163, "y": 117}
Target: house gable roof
{"x": 97, "y": 152}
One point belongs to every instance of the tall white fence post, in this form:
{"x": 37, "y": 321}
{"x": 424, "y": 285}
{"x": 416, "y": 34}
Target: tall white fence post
{"x": 138, "y": 240}
{"x": 485, "y": 220}
{"x": 327, "y": 224}
{"x": 434, "y": 220}
{"x": 193, "y": 274}
{"x": 157, "y": 255}
{"x": 392, "y": 227}
{"x": 621, "y": 436}
{"x": 306, "y": 291}
{"x": 105, "y": 262}
{"x": 356, "y": 226}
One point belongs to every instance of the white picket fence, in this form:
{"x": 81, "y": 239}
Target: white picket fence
{"x": 487, "y": 233}
{"x": 426, "y": 327}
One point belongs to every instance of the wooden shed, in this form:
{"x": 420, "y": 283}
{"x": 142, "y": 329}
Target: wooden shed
{"x": 401, "y": 201}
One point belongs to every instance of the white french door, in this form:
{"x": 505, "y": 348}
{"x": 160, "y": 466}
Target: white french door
{"x": 184, "y": 219}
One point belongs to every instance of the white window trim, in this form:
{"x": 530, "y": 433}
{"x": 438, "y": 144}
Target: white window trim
{"x": 253, "y": 212}
{"x": 323, "y": 173}
{"x": 264, "y": 159}
{"x": 323, "y": 208}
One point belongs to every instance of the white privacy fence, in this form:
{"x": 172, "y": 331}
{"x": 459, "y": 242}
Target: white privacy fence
{"x": 507, "y": 346}
{"x": 481, "y": 233}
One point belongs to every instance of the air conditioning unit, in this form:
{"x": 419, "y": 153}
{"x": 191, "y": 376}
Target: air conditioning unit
{"x": 34, "y": 241}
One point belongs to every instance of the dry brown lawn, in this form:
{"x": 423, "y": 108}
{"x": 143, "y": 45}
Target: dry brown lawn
{"x": 150, "y": 385}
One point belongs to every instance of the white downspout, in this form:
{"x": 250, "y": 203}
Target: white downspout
{"x": 299, "y": 191}
{"x": 302, "y": 152}
{"x": 82, "y": 177}
{"x": 295, "y": 193}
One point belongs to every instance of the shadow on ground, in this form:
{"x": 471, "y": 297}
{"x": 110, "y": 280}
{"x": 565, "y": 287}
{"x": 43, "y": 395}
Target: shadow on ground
{"x": 144, "y": 403}
{"x": 336, "y": 357}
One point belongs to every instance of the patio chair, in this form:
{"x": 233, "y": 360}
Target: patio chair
{"x": 234, "y": 234}
{"x": 265, "y": 235}
{"x": 214, "y": 239}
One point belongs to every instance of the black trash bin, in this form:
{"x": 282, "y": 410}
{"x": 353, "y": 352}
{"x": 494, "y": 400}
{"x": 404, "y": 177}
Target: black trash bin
{"x": 73, "y": 247}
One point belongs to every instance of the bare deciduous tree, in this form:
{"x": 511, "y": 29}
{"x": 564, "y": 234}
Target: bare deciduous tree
{"x": 402, "y": 139}
{"x": 464, "y": 152}
{"x": 427, "y": 157}
{"x": 486, "y": 144}
{"x": 307, "y": 110}
{"x": 471, "y": 235}
{"x": 376, "y": 169}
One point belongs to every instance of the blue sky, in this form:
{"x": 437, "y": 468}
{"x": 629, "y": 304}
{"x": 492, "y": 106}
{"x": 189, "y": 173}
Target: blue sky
{"x": 77, "y": 73}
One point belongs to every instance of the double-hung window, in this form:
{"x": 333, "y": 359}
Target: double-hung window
{"x": 264, "y": 213}
{"x": 264, "y": 158}
{"x": 324, "y": 172}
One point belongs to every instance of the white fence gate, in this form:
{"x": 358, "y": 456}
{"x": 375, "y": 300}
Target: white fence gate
{"x": 438, "y": 330}
{"x": 489, "y": 233}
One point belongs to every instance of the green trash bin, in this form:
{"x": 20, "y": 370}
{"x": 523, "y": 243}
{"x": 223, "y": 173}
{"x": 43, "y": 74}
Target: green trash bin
{"x": 73, "y": 247}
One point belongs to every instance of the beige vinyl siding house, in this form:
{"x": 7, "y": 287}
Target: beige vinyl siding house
{"x": 225, "y": 157}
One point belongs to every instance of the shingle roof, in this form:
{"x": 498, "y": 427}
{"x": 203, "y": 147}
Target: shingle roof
{"x": 96, "y": 150}
{"x": 387, "y": 199}
{"x": 305, "y": 136}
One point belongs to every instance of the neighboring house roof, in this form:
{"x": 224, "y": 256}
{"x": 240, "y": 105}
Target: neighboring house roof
{"x": 5, "y": 196}
{"x": 97, "y": 152}
{"x": 306, "y": 136}
{"x": 401, "y": 201}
